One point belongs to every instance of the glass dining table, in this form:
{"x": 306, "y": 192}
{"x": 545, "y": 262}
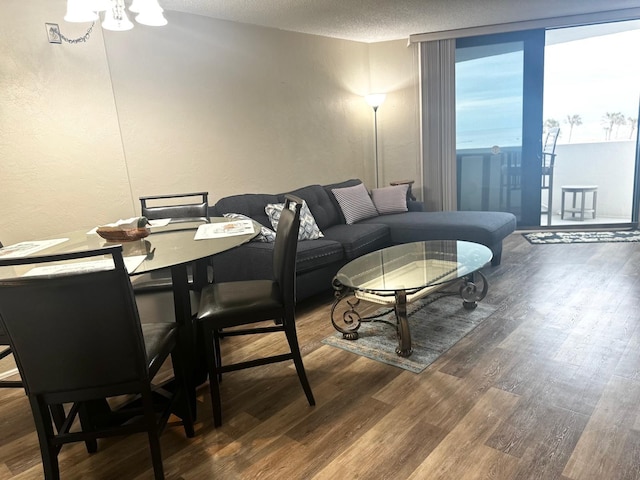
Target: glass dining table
{"x": 171, "y": 246}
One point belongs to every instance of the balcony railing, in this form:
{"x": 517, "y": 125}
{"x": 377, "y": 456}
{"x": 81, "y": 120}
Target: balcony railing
{"x": 486, "y": 178}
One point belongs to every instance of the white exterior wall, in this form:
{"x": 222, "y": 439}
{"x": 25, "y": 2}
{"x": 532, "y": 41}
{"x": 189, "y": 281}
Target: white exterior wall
{"x": 609, "y": 165}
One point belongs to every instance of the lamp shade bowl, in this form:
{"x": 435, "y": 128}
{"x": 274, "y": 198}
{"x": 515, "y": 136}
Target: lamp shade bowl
{"x": 375, "y": 99}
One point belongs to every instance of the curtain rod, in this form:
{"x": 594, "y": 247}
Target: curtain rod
{"x": 550, "y": 22}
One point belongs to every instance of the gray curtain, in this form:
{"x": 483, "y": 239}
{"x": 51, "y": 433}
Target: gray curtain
{"x": 437, "y": 67}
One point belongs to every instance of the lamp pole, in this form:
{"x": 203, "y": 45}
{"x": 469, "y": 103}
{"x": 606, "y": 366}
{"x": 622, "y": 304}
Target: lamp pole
{"x": 375, "y": 136}
{"x": 375, "y": 100}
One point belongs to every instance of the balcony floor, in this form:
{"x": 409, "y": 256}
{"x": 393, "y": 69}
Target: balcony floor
{"x": 599, "y": 220}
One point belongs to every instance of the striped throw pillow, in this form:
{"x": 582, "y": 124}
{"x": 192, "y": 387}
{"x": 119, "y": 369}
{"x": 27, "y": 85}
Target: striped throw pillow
{"x": 355, "y": 203}
{"x": 390, "y": 199}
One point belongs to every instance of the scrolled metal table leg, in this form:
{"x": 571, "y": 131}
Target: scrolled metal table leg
{"x": 350, "y": 320}
{"x": 469, "y": 290}
{"x": 404, "y": 334}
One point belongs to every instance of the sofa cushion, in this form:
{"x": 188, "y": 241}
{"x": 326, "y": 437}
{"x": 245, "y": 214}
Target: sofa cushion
{"x": 390, "y": 199}
{"x": 249, "y": 204}
{"x": 355, "y": 203}
{"x": 254, "y": 260}
{"x": 359, "y": 238}
{"x": 308, "y": 228}
{"x": 487, "y": 228}
{"x": 323, "y": 209}
{"x": 313, "y": 254}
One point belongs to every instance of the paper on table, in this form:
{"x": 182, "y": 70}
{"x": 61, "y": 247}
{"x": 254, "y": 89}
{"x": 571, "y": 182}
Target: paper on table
{"x": 160, "y": 222}
{"x": 131, "y": 263}
{"x": 224, "y": 229}
{"x": 23, "y": 249}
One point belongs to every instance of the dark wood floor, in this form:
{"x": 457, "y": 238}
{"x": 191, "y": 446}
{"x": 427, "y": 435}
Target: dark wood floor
{"x": 547, "y": 388}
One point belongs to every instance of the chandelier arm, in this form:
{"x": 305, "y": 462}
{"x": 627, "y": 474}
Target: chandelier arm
{"x": 81, "y": 39}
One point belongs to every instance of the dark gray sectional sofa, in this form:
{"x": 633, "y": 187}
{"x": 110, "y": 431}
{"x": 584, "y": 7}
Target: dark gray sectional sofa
{"x": 320, "y": 259}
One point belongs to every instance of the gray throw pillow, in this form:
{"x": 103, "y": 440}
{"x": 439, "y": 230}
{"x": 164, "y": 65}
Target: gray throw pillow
{"x": 309, "y": 229}
{"x": 266, "y": 235}
{"x": 390, "y": 199}
{"x": 355, "y": 203}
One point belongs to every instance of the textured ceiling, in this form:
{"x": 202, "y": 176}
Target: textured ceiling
{"x": 381, "y": 20}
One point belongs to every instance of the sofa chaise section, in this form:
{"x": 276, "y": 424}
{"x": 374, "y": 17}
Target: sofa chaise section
{"x": 486, "y": 228}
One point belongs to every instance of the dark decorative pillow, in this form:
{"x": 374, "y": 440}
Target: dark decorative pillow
{"x": 309, "y": 229}
{"x": 390, "y": 199}
{"x": 266, "y": 235}
{"x": 355, "y": 203}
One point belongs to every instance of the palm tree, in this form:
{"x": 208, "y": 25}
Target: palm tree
{"x": 619, "y": 120}
{"x": 634, "y": 123}
{"x": 550, "y": 123}
{"x": 610, "y": 120}
{"x": 573, "y": 121}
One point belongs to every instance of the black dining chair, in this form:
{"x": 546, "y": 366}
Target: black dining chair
{"x": 548, "y": 167}
{"x": 232, "y": 304}
{"x": 78, "y": 341}
{"x": 4, "y": 353}
{"x": 176, "y": 207}
{"x": 179, "y": 208}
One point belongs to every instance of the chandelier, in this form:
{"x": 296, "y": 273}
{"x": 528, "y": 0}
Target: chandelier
{"x": 114, "y": 16}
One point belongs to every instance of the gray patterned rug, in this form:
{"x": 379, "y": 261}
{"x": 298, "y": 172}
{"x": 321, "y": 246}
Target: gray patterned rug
{"x": 582, "y": 237}
{"x": 435, "y": 328}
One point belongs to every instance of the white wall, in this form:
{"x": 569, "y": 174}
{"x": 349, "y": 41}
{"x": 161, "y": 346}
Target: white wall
{"x": 200, "y": 104}
{"x": 609, "y": 165}
{"x": 394, "y": 70}
{"x": 61, "y": 162}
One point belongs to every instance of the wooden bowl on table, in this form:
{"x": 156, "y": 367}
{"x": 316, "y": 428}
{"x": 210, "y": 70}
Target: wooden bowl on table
{"x": 116, "y": 234}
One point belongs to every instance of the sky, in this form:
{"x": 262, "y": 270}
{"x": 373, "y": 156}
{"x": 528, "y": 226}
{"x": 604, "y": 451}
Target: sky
{"x": 589, "y": 71}
{"x": 591, "y": 77}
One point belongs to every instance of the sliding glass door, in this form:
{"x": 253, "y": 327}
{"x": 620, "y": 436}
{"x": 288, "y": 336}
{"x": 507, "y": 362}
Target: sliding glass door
{"x": 513, "y": 91}
{"x": 499, "y": 86}
{"x": 591, "y": 92}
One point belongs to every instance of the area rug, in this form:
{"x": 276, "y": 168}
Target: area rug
{"x": 435, "y": 328}
{"x": 582, "y": 237}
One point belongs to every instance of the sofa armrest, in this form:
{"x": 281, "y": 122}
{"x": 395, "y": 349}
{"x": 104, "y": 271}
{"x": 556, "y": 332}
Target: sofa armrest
{"x": 415, "y": 206}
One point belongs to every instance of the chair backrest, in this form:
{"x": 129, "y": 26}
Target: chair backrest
{"x": 197, "y": 210}
{"x": 286, "y": 249}
{"x": 549, "y": 148}
{"x": 77, "y": 335}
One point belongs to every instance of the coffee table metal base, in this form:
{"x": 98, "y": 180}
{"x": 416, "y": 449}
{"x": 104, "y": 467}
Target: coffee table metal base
{"x": 348, "y": 322}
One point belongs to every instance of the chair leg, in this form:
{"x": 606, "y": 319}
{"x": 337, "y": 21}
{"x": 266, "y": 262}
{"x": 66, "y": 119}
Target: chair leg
{"x": 154, "y": 436}
{"x": 550, "y": 209}
{"x": 216, "y": 339}
{"x": 48, "y": 451}
{"x": 292, "y": 338}
{"x": 9, "y": 383}
{"x": 212, "y": 348}
{"x": 58, "y": 415}
{"x": 87, "y": 426}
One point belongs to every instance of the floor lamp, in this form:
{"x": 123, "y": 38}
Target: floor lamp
{"x": 375, "y": 100}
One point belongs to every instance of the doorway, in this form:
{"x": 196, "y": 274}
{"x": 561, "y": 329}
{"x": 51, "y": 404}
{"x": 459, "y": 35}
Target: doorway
{"x": 591, "y": 93}
{"x": 513, "y": 89}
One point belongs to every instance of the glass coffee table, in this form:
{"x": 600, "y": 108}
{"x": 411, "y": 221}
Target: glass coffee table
{"x": 399, "y": 275}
